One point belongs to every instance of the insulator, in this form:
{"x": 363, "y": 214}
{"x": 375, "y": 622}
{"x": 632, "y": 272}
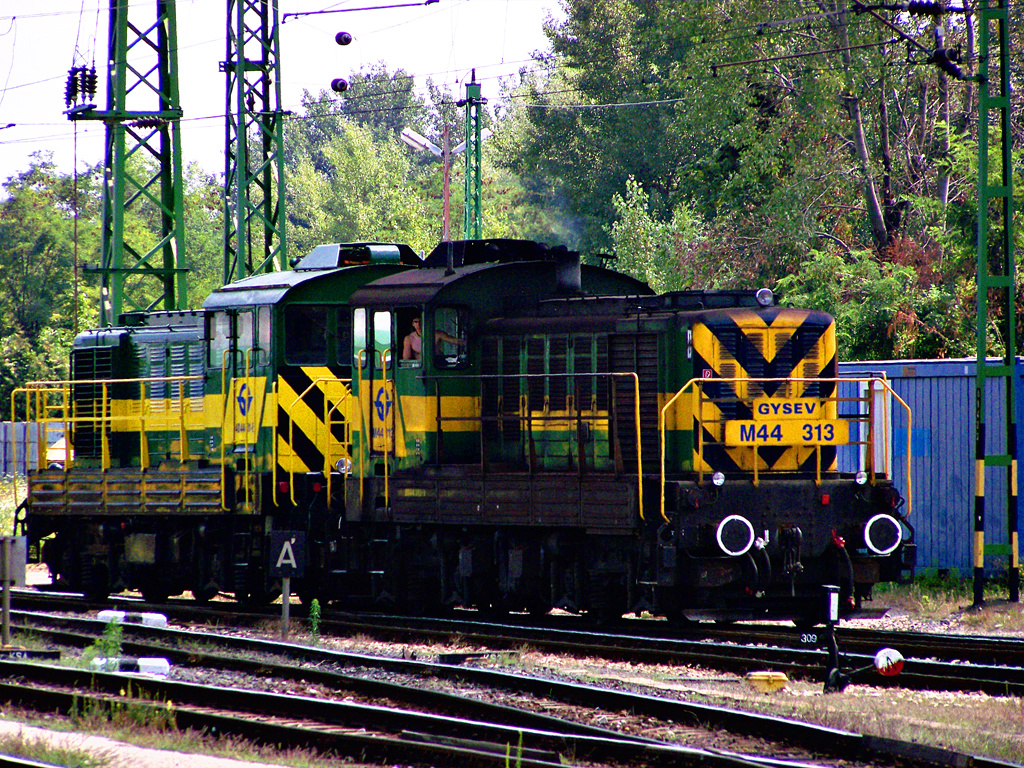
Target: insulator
{"x": 339, "y": 85}
{"x": 88, "y": 82}
{"x": 147, "y": 122}
{"x": 343, "y": 38}
{"x": 945, "y": 59}
{"x": 924, "y": 8}
{"x": 71, "y": 87}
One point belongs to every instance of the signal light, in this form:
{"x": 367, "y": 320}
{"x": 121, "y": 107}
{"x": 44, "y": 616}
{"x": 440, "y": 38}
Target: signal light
{"x": 343, "y": 38}
{"x": 339, "y": 85}
{"x": 889, "y": 662}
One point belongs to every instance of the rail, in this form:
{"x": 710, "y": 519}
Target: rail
{"x": 50, "y": 406}
{"x": 526, "y": 414}
{"x": 866, "y": 413}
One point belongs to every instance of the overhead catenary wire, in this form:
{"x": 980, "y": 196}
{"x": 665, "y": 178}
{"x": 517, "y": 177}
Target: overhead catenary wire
{"x": 755, "y": 31}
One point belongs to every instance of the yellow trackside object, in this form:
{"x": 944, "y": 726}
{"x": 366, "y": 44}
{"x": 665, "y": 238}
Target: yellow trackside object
{"x": 767, "y": 682}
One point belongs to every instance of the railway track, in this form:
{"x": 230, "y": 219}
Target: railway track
{"x": 418, "y": 725}
{"x": 990, "y": 665}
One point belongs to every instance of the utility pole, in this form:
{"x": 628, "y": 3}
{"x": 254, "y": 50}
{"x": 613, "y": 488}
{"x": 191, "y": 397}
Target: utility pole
{"x": 142, "y": 160}
{"x": 254, "y": 220}
{"x": 472, "y": 222}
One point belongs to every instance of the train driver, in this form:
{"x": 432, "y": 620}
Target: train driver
{"x": 412, "y": 346}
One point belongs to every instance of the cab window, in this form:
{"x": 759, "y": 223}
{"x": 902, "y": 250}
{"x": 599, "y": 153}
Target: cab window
{"x": 219, "y": 333}
{"x": 244, "y": 331}
{"x": 410, "y": 329}
{"x": 263, "y": 328}
{"x": 359, "y": 355}
{"x": 343, "y": 335}
{"x": 450, "y": 333}
{"x": 382, "y": 336}
{"x": 305, "y": 335}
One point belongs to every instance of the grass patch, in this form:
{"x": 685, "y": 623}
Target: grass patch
{"x": 975, "y": 724}
{"x": 128, "y": 730}
{"x": 48, "y": 751}
{"x": 9, "y": 502}
{"x": 949, "y": 598}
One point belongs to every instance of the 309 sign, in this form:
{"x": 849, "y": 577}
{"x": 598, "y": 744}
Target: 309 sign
{"x": 786, "y": 433}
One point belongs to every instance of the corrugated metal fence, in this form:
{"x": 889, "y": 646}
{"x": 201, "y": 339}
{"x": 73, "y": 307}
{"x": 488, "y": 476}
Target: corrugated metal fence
{"x": 13, "y": 457}
{"x": 941, "y": 396}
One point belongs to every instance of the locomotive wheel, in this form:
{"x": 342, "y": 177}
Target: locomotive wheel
{"x": 607, "y": 600}
{"x": 95, "y": 584}
{"x": 154, "y": 593}
{"x": 205, "y": 594}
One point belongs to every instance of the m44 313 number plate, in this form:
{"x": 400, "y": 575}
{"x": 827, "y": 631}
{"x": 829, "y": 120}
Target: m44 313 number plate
{"x": 786, "y": 433}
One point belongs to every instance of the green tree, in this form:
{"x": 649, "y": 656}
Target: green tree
{"x": 37, "y": 269}
{"x": 361, "y": 192}
{"x": 204, "y": 233}
{"x": 872, "y": 302}
{"x": 650, "y": 249}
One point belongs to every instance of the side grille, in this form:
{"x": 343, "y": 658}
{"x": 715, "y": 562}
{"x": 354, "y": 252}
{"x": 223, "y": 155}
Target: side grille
{"x": 93, "y": 363}
{"x": 637, "y": 353}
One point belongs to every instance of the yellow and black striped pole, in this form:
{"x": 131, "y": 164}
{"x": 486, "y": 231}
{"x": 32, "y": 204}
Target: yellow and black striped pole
{"x": 979, "y": 495}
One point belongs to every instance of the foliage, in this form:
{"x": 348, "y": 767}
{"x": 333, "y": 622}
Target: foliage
{"x": 314, "y": 620}
{"x": 42, "y": 750}
{"x": 707, "y": 144}
{"x": 385, "y": 102}
{"x": 647, "y": 248}
{"x": 107, "y": 645}
{"x": 204, "y": 233}
{"x": 357, "y": 191}
{"x": 869, "y": 300}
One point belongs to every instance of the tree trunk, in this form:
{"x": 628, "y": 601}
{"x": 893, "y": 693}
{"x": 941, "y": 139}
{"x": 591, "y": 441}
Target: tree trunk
{"x": 838, "y": 19}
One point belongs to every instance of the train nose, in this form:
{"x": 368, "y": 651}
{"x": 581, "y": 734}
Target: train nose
{"x": 882, "y": 534}
{"x": 735, "y": 535}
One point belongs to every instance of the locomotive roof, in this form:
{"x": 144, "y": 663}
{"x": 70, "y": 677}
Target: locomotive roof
{"x": 519, "y": 280}
{"x": 272, "y": 287}
{"x": 257, "y": 289}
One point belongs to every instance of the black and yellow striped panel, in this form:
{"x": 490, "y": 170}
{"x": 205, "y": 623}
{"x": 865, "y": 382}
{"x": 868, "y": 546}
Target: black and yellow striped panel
{"x": 779, "y": 347}
{"x": 315, "y": 411}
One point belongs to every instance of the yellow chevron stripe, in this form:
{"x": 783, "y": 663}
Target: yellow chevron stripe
{"x": 769, "y": 339}
{"x": 311, "y": 424}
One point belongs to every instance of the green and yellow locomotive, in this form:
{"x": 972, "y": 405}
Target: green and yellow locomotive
{"x": 496, "y": 426}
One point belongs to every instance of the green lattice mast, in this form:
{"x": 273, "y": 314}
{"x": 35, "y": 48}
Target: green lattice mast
{"x": 996, "y": 282}
{"x": 142, "y": 163}
{"x": 472, "y": 218}
{"x": 254, "y": 221}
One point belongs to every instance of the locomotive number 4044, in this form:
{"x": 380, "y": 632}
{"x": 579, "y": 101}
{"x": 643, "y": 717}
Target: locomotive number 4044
{"x": 786, "y": 433}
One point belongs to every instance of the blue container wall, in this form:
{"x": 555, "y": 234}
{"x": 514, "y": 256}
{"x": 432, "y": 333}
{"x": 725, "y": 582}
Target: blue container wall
{"x": 941, "y": 396}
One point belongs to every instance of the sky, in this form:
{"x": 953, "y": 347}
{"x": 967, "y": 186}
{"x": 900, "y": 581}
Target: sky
{"x": 42, "y": 39}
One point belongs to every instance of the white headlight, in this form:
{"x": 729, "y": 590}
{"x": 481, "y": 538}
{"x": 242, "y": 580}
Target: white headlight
{"x": 882, "y": 534}
{"x": 735, "y": 535}
{"x": 718, "y": 479}
{"x": 861, "y": 477}
{"x": 764, "y": 297}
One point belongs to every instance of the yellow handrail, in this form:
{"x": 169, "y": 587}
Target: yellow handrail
{"x": 346, "y": 393}
{"x": 63, "y": 414}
